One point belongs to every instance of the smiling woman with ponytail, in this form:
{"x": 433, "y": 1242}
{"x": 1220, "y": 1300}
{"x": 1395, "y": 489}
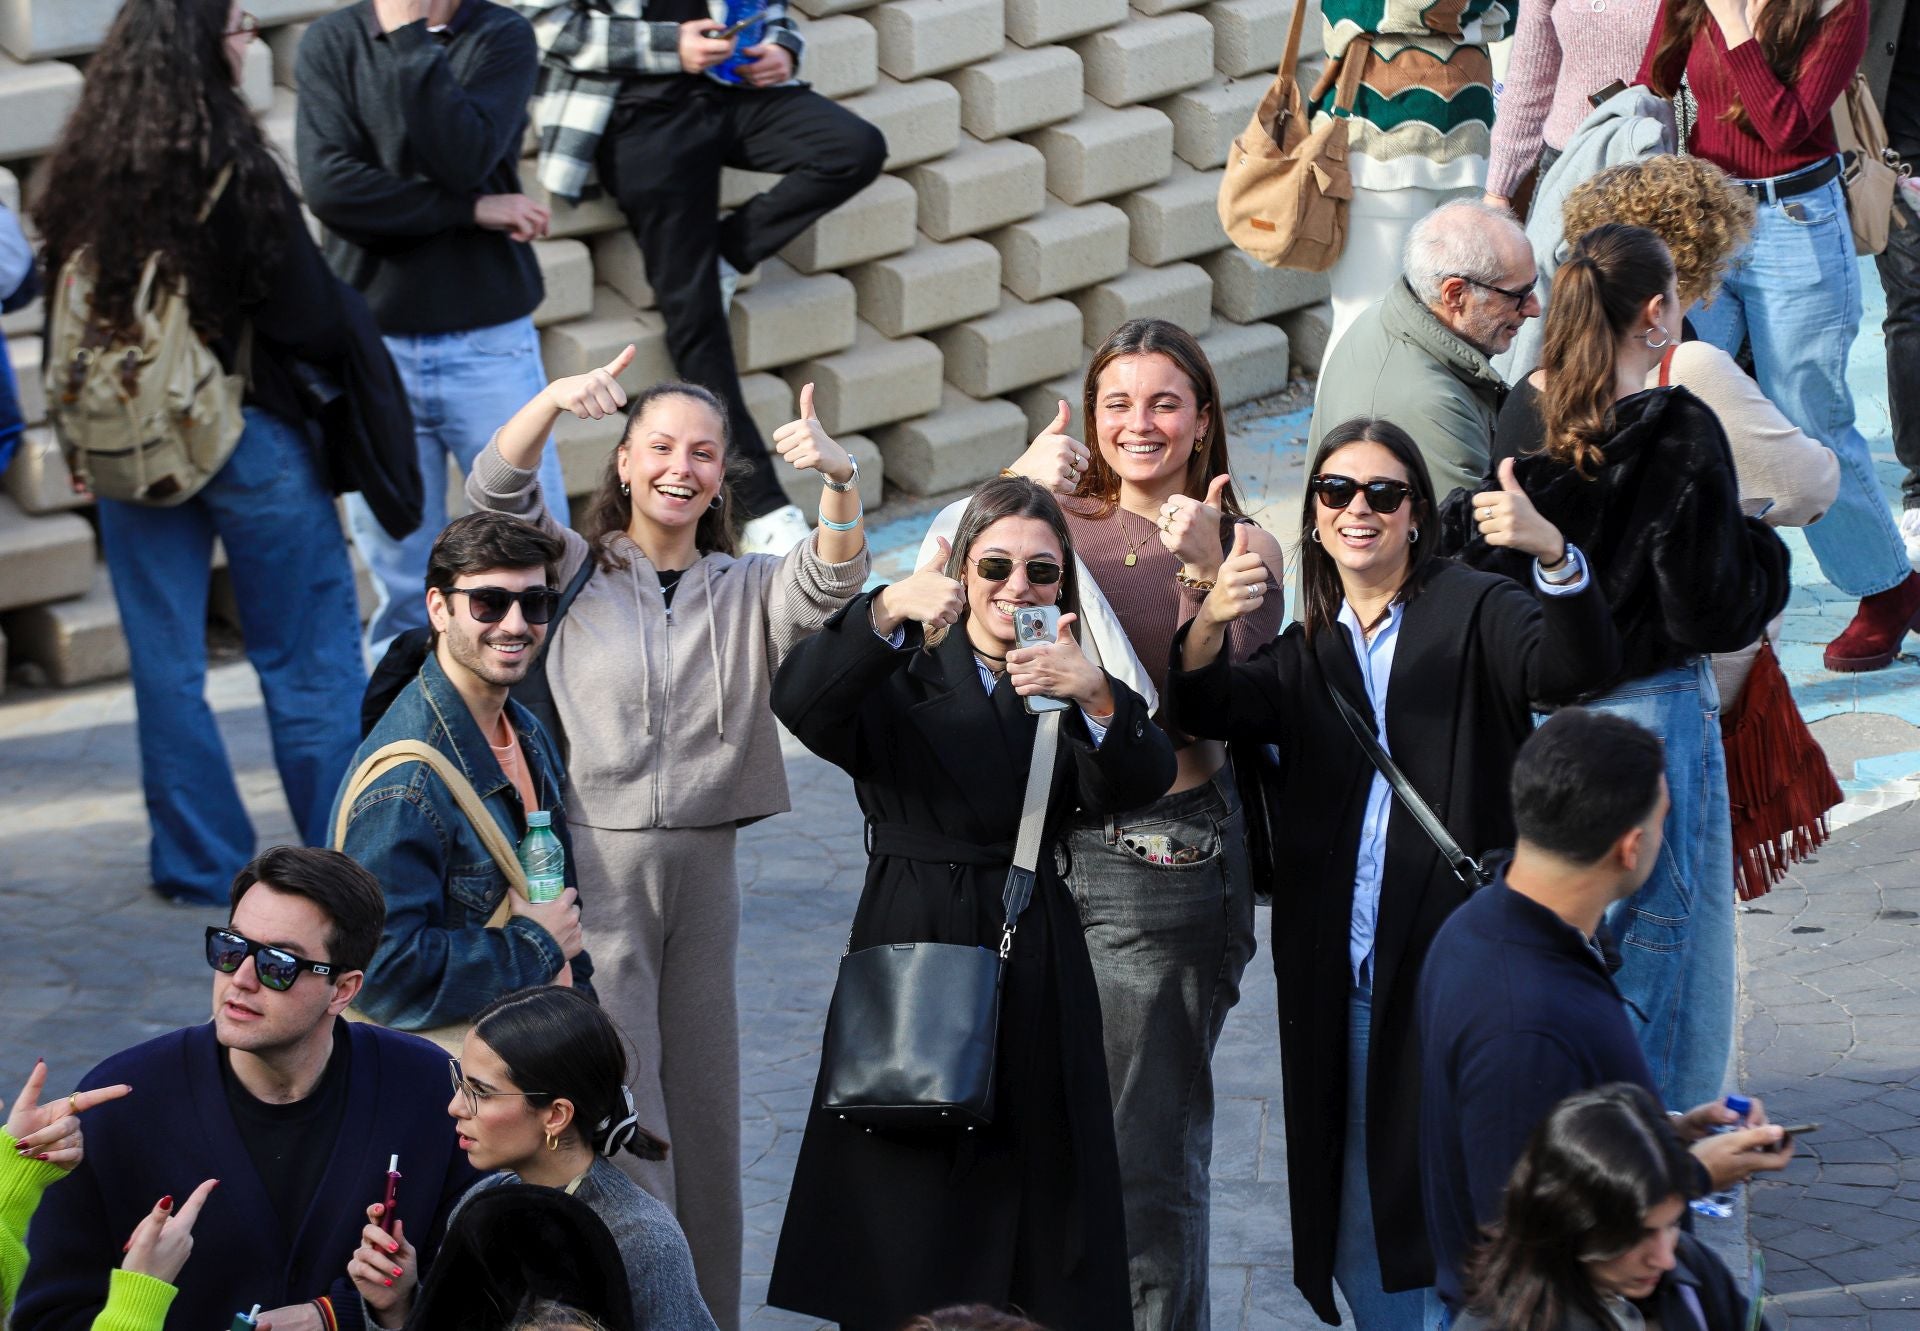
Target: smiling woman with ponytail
{"x": 1642, "y": 479}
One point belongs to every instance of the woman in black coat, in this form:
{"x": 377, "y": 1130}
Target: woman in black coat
{"x": 930, "y": 724}
{"x": 1454, "y": 660}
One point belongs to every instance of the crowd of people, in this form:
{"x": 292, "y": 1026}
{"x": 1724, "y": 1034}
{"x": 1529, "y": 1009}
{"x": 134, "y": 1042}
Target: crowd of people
{"x": 1545, "y": 468}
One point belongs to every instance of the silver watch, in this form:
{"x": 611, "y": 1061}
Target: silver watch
{"x": 841, "y": 487}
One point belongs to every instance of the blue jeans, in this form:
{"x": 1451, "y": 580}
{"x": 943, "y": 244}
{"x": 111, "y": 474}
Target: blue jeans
{"x": 462, "y": 387}
{"x": 1676, "y": 932}
{"x": 271, "y": 509}
{"x": 1356, "y": 1257}
{"x": 1794, "y": 293}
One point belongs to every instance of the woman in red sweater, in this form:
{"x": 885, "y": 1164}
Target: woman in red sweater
{"x": 1766, "y": 75}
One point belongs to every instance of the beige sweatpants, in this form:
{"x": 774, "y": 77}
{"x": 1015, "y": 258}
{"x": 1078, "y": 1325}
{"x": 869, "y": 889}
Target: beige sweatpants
{"x": 662, "y": 920}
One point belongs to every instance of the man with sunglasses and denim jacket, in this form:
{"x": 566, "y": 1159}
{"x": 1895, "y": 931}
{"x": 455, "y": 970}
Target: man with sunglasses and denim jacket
{"x": 294, "y": 1111}
{"x": 490, "y": 598}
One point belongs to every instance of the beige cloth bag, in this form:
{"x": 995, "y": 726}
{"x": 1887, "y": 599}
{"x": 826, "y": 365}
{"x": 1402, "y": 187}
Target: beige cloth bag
{"x": 378, "y": 764}
{"x": 1873, "y": 170}
{"x": 1283, "y": 198}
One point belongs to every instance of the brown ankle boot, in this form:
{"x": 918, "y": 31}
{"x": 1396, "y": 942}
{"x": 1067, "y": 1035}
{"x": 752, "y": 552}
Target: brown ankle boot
{"x": 1873, "y": 637}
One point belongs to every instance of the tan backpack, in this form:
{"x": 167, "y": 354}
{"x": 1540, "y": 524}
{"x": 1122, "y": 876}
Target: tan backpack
{"x": 1873, "y": 169}
{"x": 148, "y": 419}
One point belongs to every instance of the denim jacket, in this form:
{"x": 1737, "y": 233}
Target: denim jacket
{"x": 437, "y": 961}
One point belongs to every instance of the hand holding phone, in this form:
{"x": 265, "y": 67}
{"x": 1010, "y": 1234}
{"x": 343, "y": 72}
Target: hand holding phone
{"x": 734, "y": 29}
{"x": 1038, "y": 626}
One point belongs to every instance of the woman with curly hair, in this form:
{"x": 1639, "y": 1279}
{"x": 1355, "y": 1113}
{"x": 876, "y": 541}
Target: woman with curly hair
{"x": 160, "y": 120}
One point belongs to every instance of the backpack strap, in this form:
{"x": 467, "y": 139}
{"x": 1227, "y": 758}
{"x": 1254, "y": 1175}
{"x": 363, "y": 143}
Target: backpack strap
{"x": 401, "y": 752}
{"x": 213, "y": 195}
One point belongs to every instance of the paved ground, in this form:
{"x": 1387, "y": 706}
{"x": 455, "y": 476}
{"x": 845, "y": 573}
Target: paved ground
{"x": 1832, "y": 998}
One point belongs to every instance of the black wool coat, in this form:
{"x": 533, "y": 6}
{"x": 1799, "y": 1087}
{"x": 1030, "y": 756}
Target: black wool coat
{"x": 1659, "y": 522}
{"x": 880, "y": 1226}
{"x": 1474, "y": 651}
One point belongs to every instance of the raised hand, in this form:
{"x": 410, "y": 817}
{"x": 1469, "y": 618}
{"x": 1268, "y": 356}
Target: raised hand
{"x": 1190, "y": 529}
{"x": 929, "y": 596}
{"x": 52, "y": 1132}
{"x": 806, "y": 444}
{"x": 1507, "y": 517}
{"x": 595, "y": 394}
{"x": 1055, "y": 458}
{"x": 1059, "y": 669}
{"x": 1241, "y": 585}
{"x": 385, "y": 1269}
{"x": 163, "y": 1240}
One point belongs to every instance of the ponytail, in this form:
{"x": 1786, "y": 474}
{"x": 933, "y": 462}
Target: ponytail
{"x": 1597, "y": 292}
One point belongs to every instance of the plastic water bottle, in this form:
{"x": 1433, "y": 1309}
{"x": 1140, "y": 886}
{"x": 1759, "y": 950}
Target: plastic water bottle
{"x": 543, "y": 858}
{"x": 1719, "y": 1205}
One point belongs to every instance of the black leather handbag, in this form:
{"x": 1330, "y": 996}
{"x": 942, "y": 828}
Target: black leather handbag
{"x": 914, "y": 1027}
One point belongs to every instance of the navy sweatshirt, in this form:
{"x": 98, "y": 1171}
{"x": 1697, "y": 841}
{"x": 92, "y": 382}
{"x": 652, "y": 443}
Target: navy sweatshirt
{"x": 176, "y": 1130}
{"x": 398, "y": 134}
{"x": 1517, "y": 1012}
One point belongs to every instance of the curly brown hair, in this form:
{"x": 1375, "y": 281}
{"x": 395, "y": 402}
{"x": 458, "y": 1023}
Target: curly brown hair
{"x": 1686, "y": 201}
{"x": 158, "y": 118}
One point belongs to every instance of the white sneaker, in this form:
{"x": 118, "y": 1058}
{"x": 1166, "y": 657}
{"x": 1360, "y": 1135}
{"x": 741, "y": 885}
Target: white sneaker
{"x": 1910, "y": 533}
{"x": 729, "y": 283}
{"x": 776, "y": 533}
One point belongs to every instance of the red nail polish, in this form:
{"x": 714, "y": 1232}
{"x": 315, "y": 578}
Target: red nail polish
{"x": 396, "y": 1273}
{"x": 389, "y": 1284}
{"x": 166, "y": 1202}
{"x": 41, "y": 1156}
{"x": 127, "y": 1246}
{"x": 394, "y": 1249}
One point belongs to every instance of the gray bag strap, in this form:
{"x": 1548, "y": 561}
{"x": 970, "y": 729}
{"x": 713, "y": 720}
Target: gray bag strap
{"x": 1033, "y": 819}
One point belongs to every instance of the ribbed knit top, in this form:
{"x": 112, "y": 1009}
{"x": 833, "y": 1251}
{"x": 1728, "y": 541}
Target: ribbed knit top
{"x": 1564, "y": 51}
{"x": 1792, "y": 122}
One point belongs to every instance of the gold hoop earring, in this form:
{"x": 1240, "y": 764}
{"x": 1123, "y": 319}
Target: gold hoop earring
{"x": 553, "y": 1142}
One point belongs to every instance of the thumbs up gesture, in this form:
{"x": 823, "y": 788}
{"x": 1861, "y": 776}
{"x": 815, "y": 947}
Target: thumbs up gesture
{"x": 1190, "y": 529}
{"x": 1055, "y": 458}
{"x": 929, "y": 596}
{"x": 1242, "y": 583}
{"x": 806, "y": 444}
{"x": 595, "y": 394}
{"x": 1507, "y": 517}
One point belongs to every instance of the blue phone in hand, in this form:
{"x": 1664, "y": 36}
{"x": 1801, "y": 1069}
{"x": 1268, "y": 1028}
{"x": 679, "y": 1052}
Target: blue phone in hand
{"x": 747, "y": 23}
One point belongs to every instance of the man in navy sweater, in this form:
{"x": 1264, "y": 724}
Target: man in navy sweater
{"x": 293, "y": 1110}
{"x": 1518, "y": 1008}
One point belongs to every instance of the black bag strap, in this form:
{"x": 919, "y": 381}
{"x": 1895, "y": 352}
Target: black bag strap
{"x": 1467, "y": 869}
{"x": 1033, "y": 817}
{"x": 567, "y": 595}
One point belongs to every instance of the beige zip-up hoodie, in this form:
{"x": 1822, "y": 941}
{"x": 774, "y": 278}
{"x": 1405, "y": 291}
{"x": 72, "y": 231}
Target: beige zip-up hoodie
{"x": 666, "y": 709}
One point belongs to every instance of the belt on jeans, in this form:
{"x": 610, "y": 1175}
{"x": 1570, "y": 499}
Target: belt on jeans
{"x": 1785, "y": 187}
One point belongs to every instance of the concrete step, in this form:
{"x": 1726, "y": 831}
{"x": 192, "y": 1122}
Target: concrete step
{"x": 789, "y": 317}
{"x": 920, "y": 120}
{"x": 1061, "y": 249}
{"x": 1249, "y": 360}
{"x": 877, "y": 221}
{"x": 876, "y": 381}
{"x": 1017, "y": 345}
{"x": 1103, "y": 152}
{"x": 1178, "y": 218}
{"x": 964, "y": 443}
{"x": 35, "y": 101}
{"x": 922, "y": 37}
{"x": 978, "y": 187}
{"x": 1019, "y": 90}
{"x": 1181, "y": 293}
{"x": 38, "y": 478}
{"x": 73, "y": 642}
{"x": 930, "y": 286}
{"x": 43, "y": 557}
{"x": 1145, "y": 58}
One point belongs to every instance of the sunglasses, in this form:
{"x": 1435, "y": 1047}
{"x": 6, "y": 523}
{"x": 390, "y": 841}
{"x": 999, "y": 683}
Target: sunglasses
{"x": 1337, "y": 492}
{"x": 473, "y": 1092}
{"x": 490, "y": 604}
{"x": 277, "y": 967}
{"x": 998, "y": 568}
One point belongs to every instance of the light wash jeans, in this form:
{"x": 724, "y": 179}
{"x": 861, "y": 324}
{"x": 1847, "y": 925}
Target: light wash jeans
{"x": 1356, "y": 1256}
{"x": 462, "y": 387}
{"x": 1794, "y": 293}
{"x": 272, "y": 510}
{"x": 1169, "y": 943}
{"x": 1676, "y": 933}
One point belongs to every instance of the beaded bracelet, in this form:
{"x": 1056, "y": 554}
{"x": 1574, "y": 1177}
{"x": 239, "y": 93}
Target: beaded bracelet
{"x": 831, "y": 525}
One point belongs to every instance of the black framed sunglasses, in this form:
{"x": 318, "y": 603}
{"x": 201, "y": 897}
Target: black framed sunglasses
{"x": 1337, "y": 492}
{"x": 277, "y": 967}
{"x": 998, "y": 568}
{"x": 490, "y": 604}
{"x": 1518, "y": 298}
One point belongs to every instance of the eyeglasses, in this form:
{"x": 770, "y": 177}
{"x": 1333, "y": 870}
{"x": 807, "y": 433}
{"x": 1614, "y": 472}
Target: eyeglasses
{"x": 490, "y": 604}
{"x": 998, "y": 568}
{"x": 473, "y": 1092}
{"x": 276, "y": 967}
{"x": 248, "y": 26}
{"x": 1336, "y": 492}
{"x": 1518, "y": 298}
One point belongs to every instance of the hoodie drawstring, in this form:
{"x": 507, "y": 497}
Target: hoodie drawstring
{"x": 713, "y": 649}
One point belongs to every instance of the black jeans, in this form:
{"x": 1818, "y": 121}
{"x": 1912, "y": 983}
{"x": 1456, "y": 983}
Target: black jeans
{"x": 1900, "y": 276}
{"x": 661, "y": 159}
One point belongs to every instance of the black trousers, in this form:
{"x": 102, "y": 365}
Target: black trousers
{"x": 1900, "y": 276}
{"x": 661, "y": 158}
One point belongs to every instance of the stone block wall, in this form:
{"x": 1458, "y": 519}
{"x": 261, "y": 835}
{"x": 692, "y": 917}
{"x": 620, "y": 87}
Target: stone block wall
{"x": 1051, "y": 171}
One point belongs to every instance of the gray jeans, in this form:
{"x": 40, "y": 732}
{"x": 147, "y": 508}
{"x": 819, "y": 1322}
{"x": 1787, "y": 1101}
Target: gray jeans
{"x": 1169, "y": 942}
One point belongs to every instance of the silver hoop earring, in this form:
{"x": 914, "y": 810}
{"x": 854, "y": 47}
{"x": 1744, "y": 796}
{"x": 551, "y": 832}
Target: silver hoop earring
{"x": 1413, "y": 536}
{"x": 1314, "y": 536}
{"x": 715, "y": 505}
{"x": 625, "y": 489}
{"x": 1664, "y": 341}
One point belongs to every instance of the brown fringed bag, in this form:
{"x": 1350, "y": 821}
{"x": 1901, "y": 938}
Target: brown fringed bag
{"x": 1778, "y": 780}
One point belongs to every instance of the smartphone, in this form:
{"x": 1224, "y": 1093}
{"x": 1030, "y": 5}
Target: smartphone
{"x": 1757, "y": 507}
{"x": 1791, "y": 1130}
{"x": 1607, "y": 94}
{"x": 736, "y": 28}
{"x": 1033, "y": 626}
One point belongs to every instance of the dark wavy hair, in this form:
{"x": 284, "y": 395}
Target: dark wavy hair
{"x": 158, "y": 118}
{"x": 1320, "y": 589}
{"x": 1784, "y": 30}
{"x": 971, "y": 1317}
{"x": 1592, "y": 1170}
{"x": 1143, "y": 337}
{"x": 559, "y": 1041}
{"x": 610, "y": 512}
{"x": 1012, "y": 497}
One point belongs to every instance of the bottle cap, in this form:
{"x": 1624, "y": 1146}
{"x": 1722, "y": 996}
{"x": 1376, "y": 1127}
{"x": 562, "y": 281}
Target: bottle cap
{"x": 1740, "y": 1105}
{"x": 540, "y": 818}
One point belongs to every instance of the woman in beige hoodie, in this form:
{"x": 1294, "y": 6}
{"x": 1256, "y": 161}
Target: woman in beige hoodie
{"x": 661, "y": 673}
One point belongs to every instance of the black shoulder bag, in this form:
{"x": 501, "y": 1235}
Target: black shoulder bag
{"x": 1467, "y": 869}
{"x": 913, "y": 1028}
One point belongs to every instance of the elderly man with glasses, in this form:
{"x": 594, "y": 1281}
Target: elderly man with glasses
{"x": 296, "y": 1112}
{"x": 1422, "y": 356}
